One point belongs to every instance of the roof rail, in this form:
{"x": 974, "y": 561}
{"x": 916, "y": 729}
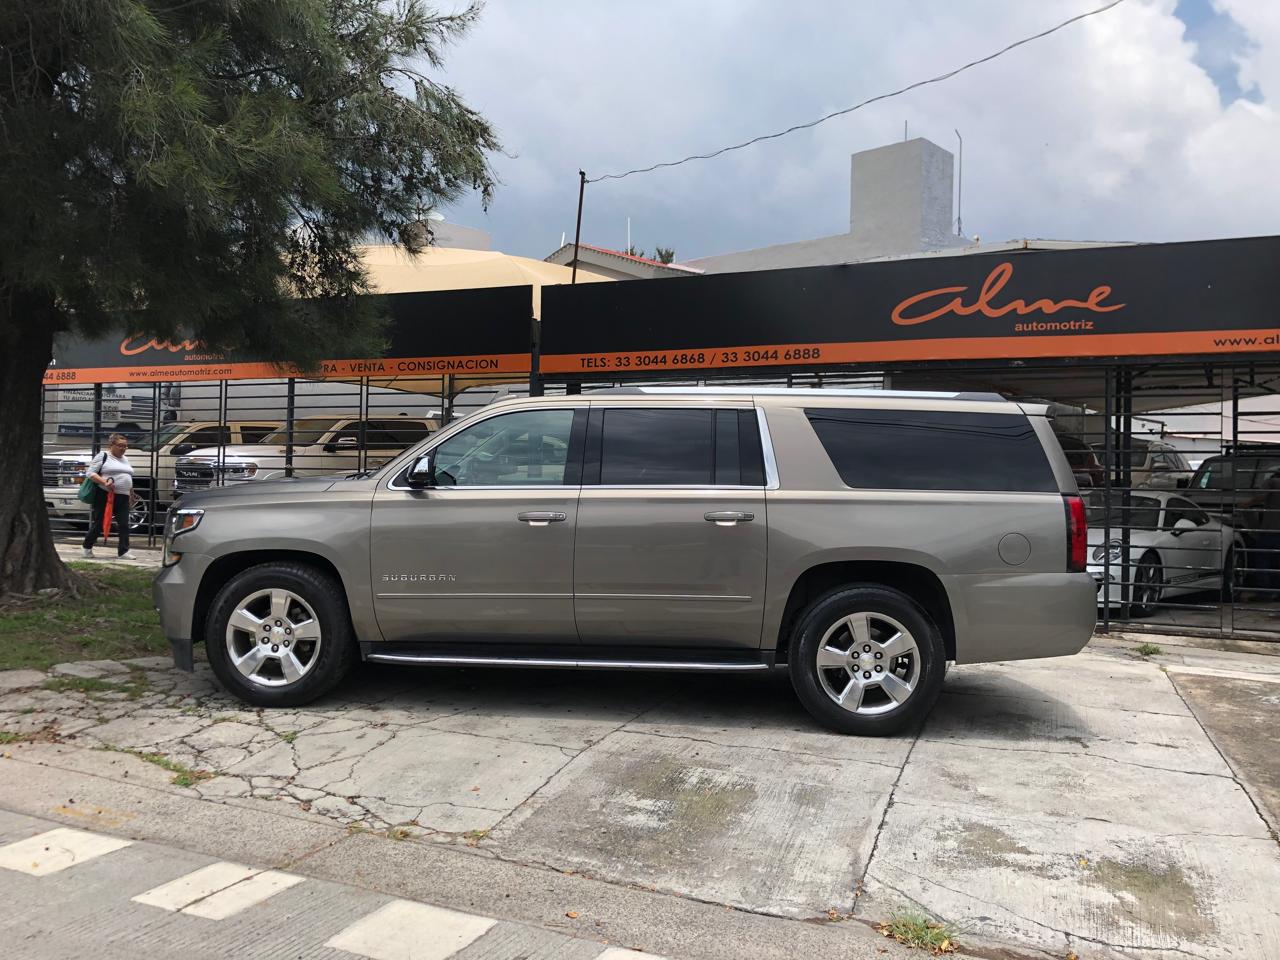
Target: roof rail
{"x": 740, "y": 391}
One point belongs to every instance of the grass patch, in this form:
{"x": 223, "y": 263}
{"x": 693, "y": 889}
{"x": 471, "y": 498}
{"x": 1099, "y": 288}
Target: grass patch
{"x": 183, "y": 776}
{"x": 114, "y": 620}
{"x": 134, "y": 687}
{"x": 1149, "y": 649}
{"x": 917, "y": 930}
{"x": 8, "y": 736}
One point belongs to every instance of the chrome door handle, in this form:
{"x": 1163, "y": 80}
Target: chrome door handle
{"x": 727, "y": 518}
{"x": 540, "y": 518}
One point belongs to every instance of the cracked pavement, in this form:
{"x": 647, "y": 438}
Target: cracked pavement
{"x": 1052, "y": 806}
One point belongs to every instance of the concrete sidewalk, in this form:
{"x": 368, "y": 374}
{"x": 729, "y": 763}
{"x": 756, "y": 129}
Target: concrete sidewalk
{"x": 1052, "y": 806}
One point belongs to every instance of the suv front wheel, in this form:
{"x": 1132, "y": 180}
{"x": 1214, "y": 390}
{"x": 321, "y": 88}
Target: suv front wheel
{"x": 279, "y": 635}
{"x": 867, "y": 660}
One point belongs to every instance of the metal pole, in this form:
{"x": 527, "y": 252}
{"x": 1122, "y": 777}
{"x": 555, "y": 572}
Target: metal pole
{"x": 577, "y": 231}
{"x": 156, "y": 479}
{"x": 960, "y": 189}
{"x": 1109, "y": 456}
{"x": 289, "y": 403}
{"x": 535, "y": 358}
{"x": 97, "y": 418}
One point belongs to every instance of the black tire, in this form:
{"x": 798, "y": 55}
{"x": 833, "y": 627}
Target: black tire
{"x": 1148, "y": 586}
{"x": 333, "y": 656}
{"x": 1230, "y": 588}
{"x": 826, "y": 614}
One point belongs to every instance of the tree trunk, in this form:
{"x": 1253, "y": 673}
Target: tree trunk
{"x": 28, "y": 560}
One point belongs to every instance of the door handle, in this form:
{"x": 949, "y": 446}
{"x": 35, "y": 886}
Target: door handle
{"x": 540, "y": 518}
{"x": 727, "y": 518}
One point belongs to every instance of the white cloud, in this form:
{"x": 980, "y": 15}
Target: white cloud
{"x": 1106, "y": 130}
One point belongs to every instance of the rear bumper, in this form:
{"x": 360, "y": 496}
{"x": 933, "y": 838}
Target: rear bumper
{"x": 1022, "y": 616}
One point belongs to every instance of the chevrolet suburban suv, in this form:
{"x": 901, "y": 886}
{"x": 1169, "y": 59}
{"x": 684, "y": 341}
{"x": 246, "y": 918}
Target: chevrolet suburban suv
{"x": 320, "y": 445}
{"x": 863, "y": 540}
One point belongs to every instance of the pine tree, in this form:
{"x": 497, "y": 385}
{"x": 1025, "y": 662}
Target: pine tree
{"x": 205, "y": 169}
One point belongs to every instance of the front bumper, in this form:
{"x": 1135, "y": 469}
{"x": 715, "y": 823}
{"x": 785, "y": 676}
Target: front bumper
{"x": 64, "y": 502}
{"x": 1108, "y": 586}
{"x": 174, "y": 593}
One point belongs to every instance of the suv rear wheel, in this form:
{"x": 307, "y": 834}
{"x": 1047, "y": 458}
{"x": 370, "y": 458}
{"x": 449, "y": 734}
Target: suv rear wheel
{"x": 867, "y": 660}
{"x": 279, "y": 635}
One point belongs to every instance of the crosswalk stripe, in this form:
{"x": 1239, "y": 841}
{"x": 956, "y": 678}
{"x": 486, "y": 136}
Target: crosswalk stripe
{"x": 403, "y": 930}
{"x": 56, "y": 850}
{"x": 186, "y": 890}
{"x": 241, "y": 896}
{"x": 622, "y": 953}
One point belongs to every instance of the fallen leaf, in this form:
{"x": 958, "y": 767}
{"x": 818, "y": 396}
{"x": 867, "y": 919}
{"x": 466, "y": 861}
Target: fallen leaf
{"x": 572, "y": 914}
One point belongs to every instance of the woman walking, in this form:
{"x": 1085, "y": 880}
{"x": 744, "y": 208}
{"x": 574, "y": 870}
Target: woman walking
{"x": 111, "y": 473}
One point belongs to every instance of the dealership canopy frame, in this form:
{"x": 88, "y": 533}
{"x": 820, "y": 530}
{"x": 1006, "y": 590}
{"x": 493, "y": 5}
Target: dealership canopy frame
{"x": 1116, "y": 339}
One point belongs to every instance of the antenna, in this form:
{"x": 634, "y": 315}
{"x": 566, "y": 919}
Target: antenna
{"x": 960, "y": 189}
{"x": 628, "y": 246}
{"x": 904, "y": 131}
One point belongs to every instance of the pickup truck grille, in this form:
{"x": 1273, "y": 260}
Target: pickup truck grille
{"x": 189, "y": 476}
{"x": 49, "y": 470}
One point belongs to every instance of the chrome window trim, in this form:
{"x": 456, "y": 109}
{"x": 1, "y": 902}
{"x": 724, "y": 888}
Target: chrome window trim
{"x": 771, "y": 480}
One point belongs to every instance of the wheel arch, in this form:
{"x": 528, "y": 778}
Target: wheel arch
{"x": 918, "y": 582}
{"x": 221, "y": 570}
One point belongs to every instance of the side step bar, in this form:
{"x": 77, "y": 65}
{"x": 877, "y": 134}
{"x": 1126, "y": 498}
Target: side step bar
{"x": 466, "y": 661}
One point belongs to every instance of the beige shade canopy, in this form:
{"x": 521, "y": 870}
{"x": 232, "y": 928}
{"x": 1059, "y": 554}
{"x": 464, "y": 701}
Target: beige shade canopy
{"x": 393, "y": 270}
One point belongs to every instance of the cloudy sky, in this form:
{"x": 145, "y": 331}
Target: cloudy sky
{"x": 1154, "y": 121}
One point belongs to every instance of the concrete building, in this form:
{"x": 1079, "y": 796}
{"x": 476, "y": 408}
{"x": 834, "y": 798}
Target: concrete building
{"x": 618, "y": 265}
{"x": 900, "y": 203}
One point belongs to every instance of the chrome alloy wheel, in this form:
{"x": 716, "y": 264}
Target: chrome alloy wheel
{"x": 868, "y": 663}
{"x": 273, "y": 637}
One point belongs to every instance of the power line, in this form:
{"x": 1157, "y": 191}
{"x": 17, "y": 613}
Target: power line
{"x": 859, "y": 106}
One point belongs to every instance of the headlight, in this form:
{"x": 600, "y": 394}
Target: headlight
{"x": 181, "y": 520}
{"x": 239, "y": 471}
{"x": 72, "y": 472}
{"x": 1111, "y": 550}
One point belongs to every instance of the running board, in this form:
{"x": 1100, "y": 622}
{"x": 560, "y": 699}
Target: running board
{"x": 464, "y": 661}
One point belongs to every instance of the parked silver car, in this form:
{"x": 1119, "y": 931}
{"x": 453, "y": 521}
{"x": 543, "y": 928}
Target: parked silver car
{"x": 1175, "y": 548}
{"x": 862, "y": 539}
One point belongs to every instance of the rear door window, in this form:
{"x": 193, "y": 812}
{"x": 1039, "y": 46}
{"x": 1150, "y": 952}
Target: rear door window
{"x": 933, "y": 450}
{"x": 666, "y": 448}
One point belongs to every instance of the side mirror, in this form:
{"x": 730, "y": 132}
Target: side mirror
{"x": 422, "y": 473}
{"x": 182, "y": 449}
{"x": 341, "y": 443}
{"x": 1182, "y": 526}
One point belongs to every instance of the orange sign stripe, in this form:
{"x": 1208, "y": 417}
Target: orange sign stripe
{"x": 329, "y": 370}
{"x": 886, "y": 351}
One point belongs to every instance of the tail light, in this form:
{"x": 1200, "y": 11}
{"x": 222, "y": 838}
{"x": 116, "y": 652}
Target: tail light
{"x": 1077, "y": 534}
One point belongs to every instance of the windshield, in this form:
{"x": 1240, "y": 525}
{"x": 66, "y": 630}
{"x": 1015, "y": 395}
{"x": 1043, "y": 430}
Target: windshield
{"x": 1144, "y": 512}
{"x": 306, "y": 433}
{"x": 151, "y": 441}
{"x": 1214, "y": 474}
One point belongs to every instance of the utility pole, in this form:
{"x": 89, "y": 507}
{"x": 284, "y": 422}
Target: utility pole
{"x": 577, "y": 233}
{"x": 960, "y": 189}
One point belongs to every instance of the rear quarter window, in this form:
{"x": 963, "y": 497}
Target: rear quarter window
{"x": 933, "y": 450}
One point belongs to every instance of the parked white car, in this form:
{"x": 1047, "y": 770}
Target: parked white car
{"x": 1175, "y": 548}
{"x": 320, "y": 446}
{"x": 63, "y": 470}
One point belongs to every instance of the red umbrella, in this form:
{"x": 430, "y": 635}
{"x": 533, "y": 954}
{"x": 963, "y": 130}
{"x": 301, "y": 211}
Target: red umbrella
{"x": 106, "y": 515}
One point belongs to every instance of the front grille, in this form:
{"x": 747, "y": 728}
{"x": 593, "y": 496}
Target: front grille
{"x": 49, "y": 470}
{"x": 193, "y": 476}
